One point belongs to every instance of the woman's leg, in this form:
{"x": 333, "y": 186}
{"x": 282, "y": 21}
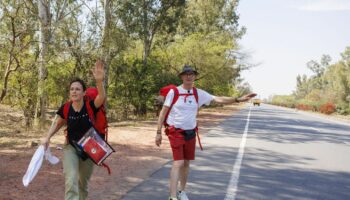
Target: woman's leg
{"x": 70, "y": 170}
{"x": 85, "y": 171}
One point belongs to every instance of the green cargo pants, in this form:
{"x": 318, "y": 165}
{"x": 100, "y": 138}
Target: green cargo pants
{"x": 77, "y": 174}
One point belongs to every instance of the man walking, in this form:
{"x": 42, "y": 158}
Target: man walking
{"x": 179, "y": 114}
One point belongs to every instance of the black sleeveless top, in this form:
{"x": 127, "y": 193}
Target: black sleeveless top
{"x": 78, "y": 123}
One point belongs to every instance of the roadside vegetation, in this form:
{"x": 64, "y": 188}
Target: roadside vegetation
{"x": 326, "y": 91}
{"x": 144, "y": 44}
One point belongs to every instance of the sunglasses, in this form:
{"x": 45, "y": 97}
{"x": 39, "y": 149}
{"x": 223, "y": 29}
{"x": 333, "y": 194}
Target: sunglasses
{"x": 189, "y": 74}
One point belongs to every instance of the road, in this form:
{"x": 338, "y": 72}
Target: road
{"x": 265, "y": 152}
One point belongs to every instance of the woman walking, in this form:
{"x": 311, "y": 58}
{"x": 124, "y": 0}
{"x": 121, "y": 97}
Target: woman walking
{"x": 77, "y": 169}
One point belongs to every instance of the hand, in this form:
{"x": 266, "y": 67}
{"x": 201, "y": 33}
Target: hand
{"x": 158, "y": 139}
{"x": 246, "y": 97}
{"x": 45, "y": 142}
{"x": 99, "y": 71}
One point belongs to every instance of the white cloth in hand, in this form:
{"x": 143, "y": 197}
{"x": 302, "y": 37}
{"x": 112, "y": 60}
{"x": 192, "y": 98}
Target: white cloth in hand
{"x": 36, "y": 162}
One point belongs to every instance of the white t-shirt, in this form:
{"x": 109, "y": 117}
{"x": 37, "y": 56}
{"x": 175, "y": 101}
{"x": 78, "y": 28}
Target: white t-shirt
{"x": 183, "y": 114}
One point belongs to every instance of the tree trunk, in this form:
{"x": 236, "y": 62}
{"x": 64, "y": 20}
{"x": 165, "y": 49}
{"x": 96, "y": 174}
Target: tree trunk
{"x": 106, "y": 53}
{"x": 142, "y": 110}
{"x": 146, "y": 42}
{"x": 44, "y": 34}
{"x": 12, "y": 58}
{"x": 6, "y": 77}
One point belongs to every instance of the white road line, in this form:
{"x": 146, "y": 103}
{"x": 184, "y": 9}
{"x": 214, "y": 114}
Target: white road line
{"x": 232, "y": 187}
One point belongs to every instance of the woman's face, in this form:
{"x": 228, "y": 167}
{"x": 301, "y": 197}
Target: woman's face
{"x": 76, "y": 92}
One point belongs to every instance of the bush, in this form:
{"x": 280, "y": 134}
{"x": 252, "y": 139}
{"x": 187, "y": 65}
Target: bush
{"x": 304, "y": 107}
{"x": 283, "y": 100}
{"x": 327, "y": 108}
{"x": 343, "y": 109}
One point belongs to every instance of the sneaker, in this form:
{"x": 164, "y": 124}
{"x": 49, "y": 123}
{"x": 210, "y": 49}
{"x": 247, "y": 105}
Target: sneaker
{"x": 173, "y": 198}
{"x": 181, "y": 195}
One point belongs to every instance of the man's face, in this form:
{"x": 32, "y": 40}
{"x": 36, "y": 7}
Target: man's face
{"x": 188, "y": 77}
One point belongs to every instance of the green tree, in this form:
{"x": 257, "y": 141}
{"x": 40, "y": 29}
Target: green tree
{"x": 144, "y": 19}
{"x": 18, "y": 50}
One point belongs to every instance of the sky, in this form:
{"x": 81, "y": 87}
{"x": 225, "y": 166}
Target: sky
{"x": 283, "y": 35}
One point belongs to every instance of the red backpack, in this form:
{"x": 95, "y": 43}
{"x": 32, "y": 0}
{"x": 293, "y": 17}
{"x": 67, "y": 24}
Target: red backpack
{"x": 98, "y": 120}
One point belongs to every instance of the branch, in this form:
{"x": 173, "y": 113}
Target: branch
{"x": 17, "y": 64}
{"x": 158, "y": 21}
{"x": 94, "y": 16}
{"x": 60, "y": 12}
{"x": 68, "y": 13}
{"x": 60, "y": 16}
{"x": 31, "y": 7}
{"x": 217, "y": 70}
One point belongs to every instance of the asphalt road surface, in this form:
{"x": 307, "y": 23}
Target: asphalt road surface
{"x": 265, "y": 152}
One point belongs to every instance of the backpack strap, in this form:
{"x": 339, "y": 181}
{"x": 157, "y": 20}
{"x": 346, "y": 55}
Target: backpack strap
{"x": 176, "y": 97}
{"x": 92, "y": 117}
{"x": 199, "y": 139}
{"x": 103, "y": 110}
{"x": 66, "y": 110}
{"x": 90, "y": 112}
{"x": 107, "y": 168}
{"x": 195, "y": 93}
{"x": 65, "y": 117}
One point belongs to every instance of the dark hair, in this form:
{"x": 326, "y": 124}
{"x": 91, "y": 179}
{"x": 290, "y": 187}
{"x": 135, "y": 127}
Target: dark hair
{"x": 82, "y": 83}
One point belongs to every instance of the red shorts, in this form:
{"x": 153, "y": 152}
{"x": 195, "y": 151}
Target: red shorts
{"x": 182, "y": 149}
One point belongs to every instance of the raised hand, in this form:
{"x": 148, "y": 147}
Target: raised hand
{"x": 99, "y": 71}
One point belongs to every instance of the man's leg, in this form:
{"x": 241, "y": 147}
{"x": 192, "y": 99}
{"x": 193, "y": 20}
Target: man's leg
{"x": 184, "y": 174}
{"x": 177, "y": 146}
{"x": 189, "y": 154}
{"x": 70, "y": 169}
{"x": 174, "y": 176}
{"x": 85, "y": 171}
